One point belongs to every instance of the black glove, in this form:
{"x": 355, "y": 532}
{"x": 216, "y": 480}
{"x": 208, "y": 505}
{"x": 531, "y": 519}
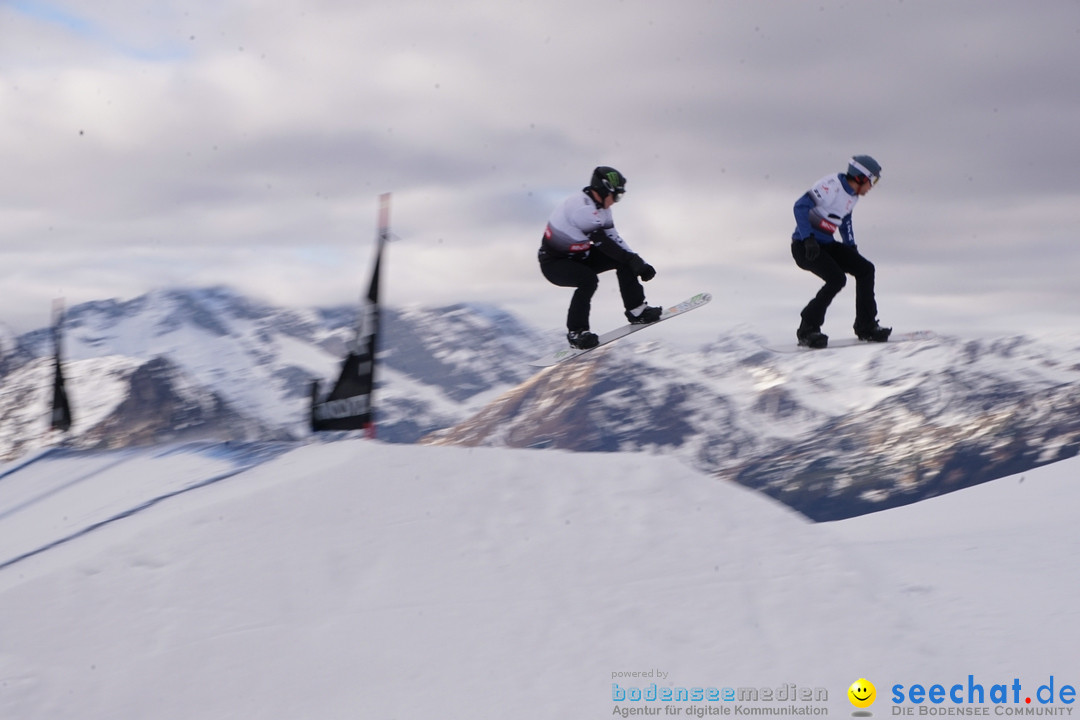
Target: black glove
{"x": 813, "y": 250}
{"x": 642, "y": 269}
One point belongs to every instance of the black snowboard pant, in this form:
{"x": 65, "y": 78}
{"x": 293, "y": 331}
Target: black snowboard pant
{"x": 832, "y": 264}
{"x": 583, "y": 274}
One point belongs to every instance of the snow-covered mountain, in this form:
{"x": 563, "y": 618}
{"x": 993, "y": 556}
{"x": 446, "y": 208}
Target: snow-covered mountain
{"x": 190, "y": 364}
{"x": 366, "y": 580}
{"x": 831, "y": 434}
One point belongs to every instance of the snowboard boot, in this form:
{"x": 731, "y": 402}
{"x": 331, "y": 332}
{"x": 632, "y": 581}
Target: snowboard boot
{"x": 644, "y": 314}
{"x": 872, "y": 332}
{"x": 812, "y": 337}
{"x": 582, "y": 339}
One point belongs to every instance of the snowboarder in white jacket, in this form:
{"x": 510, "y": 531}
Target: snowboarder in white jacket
{"x": 580, "y": 242}
{"x": 819, "y": 213}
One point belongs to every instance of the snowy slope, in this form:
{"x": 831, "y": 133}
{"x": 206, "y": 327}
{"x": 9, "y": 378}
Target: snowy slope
{"x": 364, "y": 580}
{"x": 997, "y": 559}
{"x": 58, "y": 496}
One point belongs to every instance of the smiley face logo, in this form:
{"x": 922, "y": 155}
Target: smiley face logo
{"x": 862, "y": 693}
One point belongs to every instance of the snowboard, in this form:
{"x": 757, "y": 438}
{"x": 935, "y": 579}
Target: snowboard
{"x": 915, "y": 336}
{"x": 568, "y": 353}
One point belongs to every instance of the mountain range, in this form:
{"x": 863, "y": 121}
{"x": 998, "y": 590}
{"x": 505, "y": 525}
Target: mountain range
{"x": 209, "y": 363}
{"x": 832, "y": 434}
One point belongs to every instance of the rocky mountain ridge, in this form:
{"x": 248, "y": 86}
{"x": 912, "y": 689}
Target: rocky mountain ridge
{"x": 832, "y": 434}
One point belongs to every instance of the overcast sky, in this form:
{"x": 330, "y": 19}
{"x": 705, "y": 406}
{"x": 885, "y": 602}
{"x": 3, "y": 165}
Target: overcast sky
{"x": 167, "y": 143}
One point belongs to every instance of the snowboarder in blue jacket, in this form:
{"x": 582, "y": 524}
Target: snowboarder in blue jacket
{"x": 819, "y": 213}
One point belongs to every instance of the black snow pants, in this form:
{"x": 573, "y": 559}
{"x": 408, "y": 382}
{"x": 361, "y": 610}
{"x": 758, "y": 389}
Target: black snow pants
{"x": 831, "y": 265}
{"x": 583, "y": 274}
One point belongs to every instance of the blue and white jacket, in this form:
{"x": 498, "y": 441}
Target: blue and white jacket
{"x": 834, "y": 199}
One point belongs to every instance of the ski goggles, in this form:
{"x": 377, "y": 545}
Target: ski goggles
{"x": 614, "y": 184}
{"x": 866, "y": 173}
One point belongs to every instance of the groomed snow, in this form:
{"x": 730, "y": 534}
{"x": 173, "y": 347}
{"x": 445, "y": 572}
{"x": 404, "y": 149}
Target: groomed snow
{"x": 362, "y": 580}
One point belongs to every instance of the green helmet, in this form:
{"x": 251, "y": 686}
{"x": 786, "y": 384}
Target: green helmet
{"x": 608, "y": 181}
{"x": 864, "y": 166}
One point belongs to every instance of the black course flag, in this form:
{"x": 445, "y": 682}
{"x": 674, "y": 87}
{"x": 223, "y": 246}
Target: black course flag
{"x": 349, "y": 405}
{"x": 61, "y": 407}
